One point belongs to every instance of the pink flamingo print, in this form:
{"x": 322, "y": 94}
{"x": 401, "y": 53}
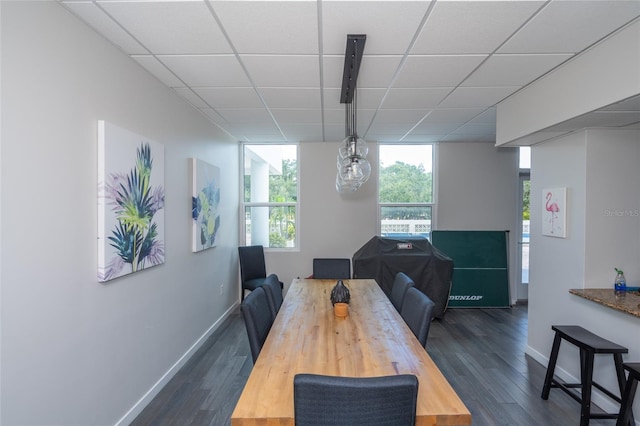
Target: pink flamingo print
{"x": 553, "y": 209}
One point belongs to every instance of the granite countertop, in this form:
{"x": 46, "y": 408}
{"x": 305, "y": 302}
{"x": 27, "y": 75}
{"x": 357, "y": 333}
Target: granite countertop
{"x": 630, "y": 303}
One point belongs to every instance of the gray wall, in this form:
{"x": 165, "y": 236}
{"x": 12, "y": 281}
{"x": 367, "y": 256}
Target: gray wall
{"x": 477, "y": 189}
{"x": 75, "y": 351}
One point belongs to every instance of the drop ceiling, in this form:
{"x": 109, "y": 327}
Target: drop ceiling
{"x": 271, "y": 71}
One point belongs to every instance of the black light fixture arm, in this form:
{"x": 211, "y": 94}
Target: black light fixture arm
{"x": 352, "y": 60}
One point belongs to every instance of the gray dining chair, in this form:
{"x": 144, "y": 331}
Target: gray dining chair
{"x": 257, "y": 319}
{"x": 274, "y": 293}
{"x": 331, "y": 268}
{"x": 417, "y": 312}
{"x": 253, "y": 271}
{"x": 401, "y": 284}
{"x": 355, "y": 401}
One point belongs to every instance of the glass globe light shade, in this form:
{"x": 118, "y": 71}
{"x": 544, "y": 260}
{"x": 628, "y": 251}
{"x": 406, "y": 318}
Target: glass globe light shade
{"x": 344, "y": 187}
{"x": 355, "y": 170}
{"x": 353, "y": 146}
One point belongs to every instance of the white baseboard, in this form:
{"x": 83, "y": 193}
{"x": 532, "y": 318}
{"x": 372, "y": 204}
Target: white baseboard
{"x": 157, "y": 387}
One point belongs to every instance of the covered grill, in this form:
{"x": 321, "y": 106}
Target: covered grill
{"x": 431, "y": 270}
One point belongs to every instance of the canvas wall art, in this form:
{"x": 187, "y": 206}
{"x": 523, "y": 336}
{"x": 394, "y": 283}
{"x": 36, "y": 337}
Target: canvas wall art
{"x": 130, "y": 202}
{"x": 205, "y": 204}
{"x": 554, "y": 212}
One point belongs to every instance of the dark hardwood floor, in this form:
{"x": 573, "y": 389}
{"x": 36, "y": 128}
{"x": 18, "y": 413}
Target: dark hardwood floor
{"x": 480, "y": 352}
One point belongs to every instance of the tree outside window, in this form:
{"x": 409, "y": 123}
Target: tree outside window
{"x": 270, "y": 195}
{"x": 405, "y": 189}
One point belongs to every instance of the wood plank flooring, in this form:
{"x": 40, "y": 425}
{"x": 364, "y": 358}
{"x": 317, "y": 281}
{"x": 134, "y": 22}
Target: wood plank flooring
{"x": 480, "y": 352}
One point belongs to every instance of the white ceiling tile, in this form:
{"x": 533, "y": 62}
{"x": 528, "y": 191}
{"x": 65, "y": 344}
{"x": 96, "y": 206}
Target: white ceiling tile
{"x": 465, "y": 27}
{"x": 422, "y": 138}
{"x": 418, "y": 98}
{"x": 514, "y": 70}
{"x": 191, "y": 97}
{"x": 437, "y": 70}
{"x": 207, "y": 70}
{"x": 230, "y": 97}
{"x": 156, "y": 68}
{"x": 469, "y": 97}
{"x": 283, "y": 70}
{"x": 270, "y": 27}
{"x": 435, "y": 128}
{"x": 334, "y": 132}
{"x": 570, "y": 26}
{"x": 452, "y": 115}
{"x": 247, "y": 116}
{"x": 303, "y": 132}
{"x": 389, "y": 129}
{"x": 375, "y": 71}
{"x": 367, "y": 98}
{"x": 400, "y": 116}
{"x": 215, "y": 117}
{"x": 278, "y": 43}
{"x": 389, "y": 26}
{"x": 256, "y": 130}
{"x": 485, "y": 130}
{"x": 297, "y": 116}
{"x": 265, "y": 138}
{"x": 104, "y": 25}
{"x": 287, "y": 97}
{"x": 170, "y": 27}
{"x": 337, "y": 116}
{"x": 487, "y": 116}
{"x": 468, "y": 138}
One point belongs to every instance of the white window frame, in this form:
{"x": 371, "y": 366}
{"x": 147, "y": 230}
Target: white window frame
{"x": 434, "y": 172}
{"x": 244, "y": 204}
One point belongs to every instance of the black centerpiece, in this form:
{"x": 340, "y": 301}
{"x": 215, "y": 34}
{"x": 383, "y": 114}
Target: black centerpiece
{"x": 340, "y": 293}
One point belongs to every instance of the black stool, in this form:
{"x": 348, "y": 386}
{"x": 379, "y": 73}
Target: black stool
{"x": 626, "y": 408}
{"x": 589, "y": 345}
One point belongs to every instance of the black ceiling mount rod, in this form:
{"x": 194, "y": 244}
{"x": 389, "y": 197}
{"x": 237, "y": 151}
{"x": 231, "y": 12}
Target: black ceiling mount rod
{"x": 352, "y": 60}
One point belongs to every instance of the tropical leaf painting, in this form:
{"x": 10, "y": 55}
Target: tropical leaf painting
{"x": 130, "y": 202}
{"x": 205, "y": 204}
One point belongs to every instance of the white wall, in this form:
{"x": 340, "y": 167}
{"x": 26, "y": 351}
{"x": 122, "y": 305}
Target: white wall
{"x": 75, "y": 351}
{"x": 478, "y": 190}
{"x": 599, "y": 169}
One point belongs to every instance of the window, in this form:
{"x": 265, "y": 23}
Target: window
{"x": 405, "y": 189}
{"x": 270, "y": 195}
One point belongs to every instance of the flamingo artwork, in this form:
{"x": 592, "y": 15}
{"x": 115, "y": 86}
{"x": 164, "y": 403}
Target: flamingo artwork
{"x": 553, "y": 225}
{"x": 553, "y": 209}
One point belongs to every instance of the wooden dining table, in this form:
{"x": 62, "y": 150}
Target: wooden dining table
{"x": 373, "y": 340}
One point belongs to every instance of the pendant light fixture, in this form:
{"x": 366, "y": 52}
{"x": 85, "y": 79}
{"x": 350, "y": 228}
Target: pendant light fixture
{"x": 353, "y": 167}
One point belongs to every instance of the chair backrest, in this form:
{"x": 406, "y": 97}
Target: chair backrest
{"x": 372, "y": 401}
{"x": 251, "y": 263}
{"x": 325, "y": 268}
{"x": 417, "y": 312}
{"x": 401, "y": 284}
{"x": 257, "y": 319}
{"x": 274, "y": 293}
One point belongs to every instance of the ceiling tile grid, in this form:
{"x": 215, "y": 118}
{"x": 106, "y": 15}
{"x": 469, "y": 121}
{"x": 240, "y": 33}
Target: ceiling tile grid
{"x": 432, "y": 71}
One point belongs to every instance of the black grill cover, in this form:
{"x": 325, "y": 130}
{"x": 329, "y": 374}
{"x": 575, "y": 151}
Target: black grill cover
{"x": 430, "y": 269}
